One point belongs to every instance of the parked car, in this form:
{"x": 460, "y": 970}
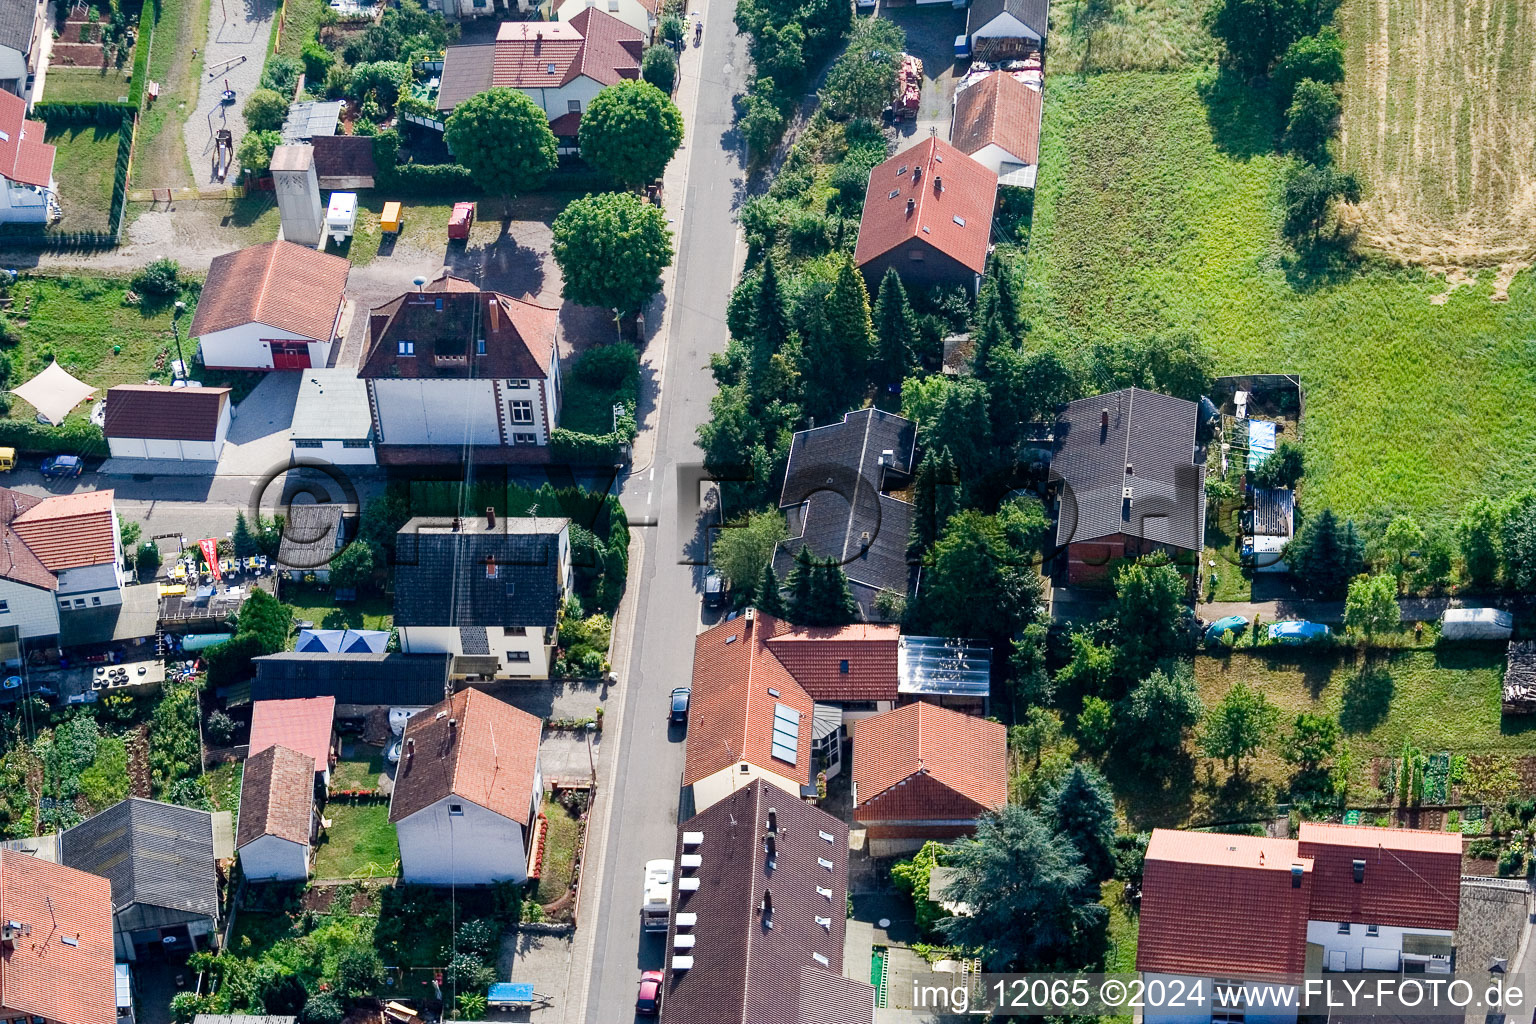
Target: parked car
{"x": 1221, "y": 627}
{"x": 63, "y": 466}
{"x": 1297, "y": 632}
{"x": 714, "y": 589}
{"x": 648, "y": 1002}
{"x": 680, "y": 699}
{"x": 394, "y": 750}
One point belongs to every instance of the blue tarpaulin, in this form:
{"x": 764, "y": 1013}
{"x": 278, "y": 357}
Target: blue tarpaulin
{"x": 1297, "y": 632}
{"x": 1261, "y": 442}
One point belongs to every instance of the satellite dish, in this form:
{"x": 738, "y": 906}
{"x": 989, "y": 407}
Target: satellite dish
{"x": 419, "y": 282}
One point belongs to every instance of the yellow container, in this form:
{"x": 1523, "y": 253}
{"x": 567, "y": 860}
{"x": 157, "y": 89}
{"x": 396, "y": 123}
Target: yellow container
{"x": 389, "y": 220}
{"x": 7, "y": 459}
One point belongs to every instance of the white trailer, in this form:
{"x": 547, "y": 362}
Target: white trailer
{"x": 657, "y": 908}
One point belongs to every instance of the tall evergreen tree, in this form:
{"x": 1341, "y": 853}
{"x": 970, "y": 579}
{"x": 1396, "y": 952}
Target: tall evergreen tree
{"x": 244, "y": 539}
{"x": 832, "y": 603}
{"x": 935, "y": 497}
{"x": 1082, "y": 809}
{"x": 997, "y": 316}
{"x": 770, "y": 320}
{"x": 842, "y": 360}
{"x": 895, "y": 333}
{"x": 769, "y": 598}
{"x": 1325, "y": 556}
{"x": 802, "y": 583}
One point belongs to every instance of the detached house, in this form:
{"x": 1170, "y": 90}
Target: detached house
{"x": 452, "y": 368}
{"x": 467, "y": 792}
{"x": 277, "y": 815}
{"x": 273, "y": 306}
{"x": 56, "y": 962}
{"x": 304, "y": 724}
{"x": 22, "y": 24}
{"x": 1245, "y": 909}
{"x": 58, "y": 555}
{"x": 928, "y": 214}
{"x": 26, "y": 165}
{"x": 639, "y": 15}
{"x": 489, "y": 591}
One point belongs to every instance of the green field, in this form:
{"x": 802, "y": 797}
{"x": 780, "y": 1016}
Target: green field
{"x": 84, "y": 168}
{"x": 360, "y": 842}
{"x": 86, "y": 85}
{"x": 1157, "y": 212}
{"x": 1144, "y": 35}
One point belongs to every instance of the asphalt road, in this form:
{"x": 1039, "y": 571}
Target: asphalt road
{"x": 645, "y": 795}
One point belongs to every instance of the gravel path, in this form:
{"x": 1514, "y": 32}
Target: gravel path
{"x": 244, "y": 33}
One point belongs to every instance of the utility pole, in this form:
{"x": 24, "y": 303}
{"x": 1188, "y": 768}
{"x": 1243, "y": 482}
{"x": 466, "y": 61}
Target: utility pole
{"x": 181, "y": 307}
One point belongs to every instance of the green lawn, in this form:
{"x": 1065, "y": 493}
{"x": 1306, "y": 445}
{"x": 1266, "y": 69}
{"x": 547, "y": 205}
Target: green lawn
{"x": 316, "y": 604}
{"x": 161, "y": 158}
{"x": 223, "y": 785}
{"x": 423, "y": 223}
{"x": 299, "y": 20}
{"x": 360, "y": 841}
{"x": 87, "y": 85}
{"x": 360, "y": 769}
{"x": 559, "y": 853}
{"x": 1148, "y": 35}
{"x": 84, "y": 168}
{"x": 1158, "y": 213}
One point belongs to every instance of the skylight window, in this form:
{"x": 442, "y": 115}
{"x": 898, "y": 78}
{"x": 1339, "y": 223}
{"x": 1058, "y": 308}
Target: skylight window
{"x": 960, "y": 220}
{"x": 550, "y": 68}
{"x": 786, "y": 733}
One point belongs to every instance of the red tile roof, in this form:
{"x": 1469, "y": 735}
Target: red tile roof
{"x": 471, "y": 746}
{"x": 969, "y": 193}
{"x": 290, "y": 287}
{"x": 922, "y": 762}
{"x": 158, "y": 411}
{"x": 17, "y": 561}
{"x": 67, "y": 531}
{"x": 1217, "y": 905}
{"x": 998, "y": 110}
{"x": 815, "y": 657}
{"x": 277, "y": 796}
{"x": 1412, "y": 878}
{"x": 566, "y": 126}
{"x": 732, "y": 711}
{"x": 70, "y": 982}
{"x": 24, "y": 156}
{"x": 612, "y": 48}
{"x": 549, "y": 54}
{"x": 303, "y": 724}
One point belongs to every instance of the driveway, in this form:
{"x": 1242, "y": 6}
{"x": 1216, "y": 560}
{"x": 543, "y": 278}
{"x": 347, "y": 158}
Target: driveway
{"x": 543, "y": 961}
{"x": 236, "y": 29}
{"x": 931, "y": 31}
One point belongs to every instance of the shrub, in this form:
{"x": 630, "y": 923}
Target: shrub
{"x": 469, "y": 971}
{"x": 429, "y": 180}
{"x": 472, "y": 1006}
{"x": 659, "y": 67}
{"x": 220, "y": 728}
{"x": 281, "y": 74}
{"x": 318, "y": 62}
{"x": 147, "y": 558}
{"x": 1511, "y": 863}
{"x": 322, "y": 1008}
{"x": 265, "y": 111}
{"x": 159, "y": 278}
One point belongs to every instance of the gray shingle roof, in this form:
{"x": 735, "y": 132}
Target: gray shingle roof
{"x": 406, "y": 679}
{"x": 1033, "y": 13}
{"x": 508, "y": 575}
{"x": 17, "y": 17}
{"x": 152, "y": 853}
{"x": 466, "y": 71}
{"x": 1153, "y": 434}
{"x": 312, "y": 534}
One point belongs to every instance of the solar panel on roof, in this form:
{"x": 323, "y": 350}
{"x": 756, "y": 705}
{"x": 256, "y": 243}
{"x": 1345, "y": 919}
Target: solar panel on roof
{"x": 786, "y": 733}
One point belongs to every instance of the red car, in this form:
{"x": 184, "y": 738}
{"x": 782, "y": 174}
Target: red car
{"x": 649, "y": 1000}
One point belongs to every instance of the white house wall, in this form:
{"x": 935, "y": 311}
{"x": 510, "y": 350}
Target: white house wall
{"x": 711, "y": 789}
{"x": 337, "y": 454}
{"x": 1387, "y": 943}
{"x": 477, "y": 847}
{"x": 630, "y": 12}
{"x": 1201, "y": 1013}
{"x": 274, "y": 859}
{"x": 32, "y": 610}
{"x": 535, "y": 641}
{"x": 247, "y": 347}
{"x": 557, "y": 101}
{"x": 90, "y": 581}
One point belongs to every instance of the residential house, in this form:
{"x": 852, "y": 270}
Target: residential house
{"x": 454, "y": 9}
{"x": 640, "y": 15}
{"x": 487, "y": 590}
{"x": 22, "y": 24}
{"x": 159, "y": 859}
{"x": 455, "y": 373}
{"x": 1245, "y": 910}
{"x": 928, "y": 214}
{"x": 277, "y": 824}
{"x": 312, "y": 534}
{"x": 1001, "y": 29}
{"x": 759, "y": 911}
{"x": 26, "y": 166}
{"x": 304, "y": 724}
{"x": 560, "y": 65}
{"x": 332, "y": 421}
{"x": 273, "y": 306}
{"x": 357, "y": 682}
{"x": 924, "y": 772}
{"x": 467, "y": 792}
{"x": 997, "y": 124}
{"x": 56, "y": 962}
{"x": 834, "y": 498}
{"x": 179, "y": 424}
{"x": 1131, "y": 477}
{"x": 58, "y": 555}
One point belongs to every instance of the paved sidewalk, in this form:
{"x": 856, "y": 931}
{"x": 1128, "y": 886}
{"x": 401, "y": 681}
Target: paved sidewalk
{"x": 236, "y": 28}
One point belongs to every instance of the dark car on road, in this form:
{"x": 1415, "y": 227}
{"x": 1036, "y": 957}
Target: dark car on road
{"x": 714, "y": 589}
{"x": 63, "y": 466}
{"x": 648, "y": 1002}
{"x": 680, "y": 698}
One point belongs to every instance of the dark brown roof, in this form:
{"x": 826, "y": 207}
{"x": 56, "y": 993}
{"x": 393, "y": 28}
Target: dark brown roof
{"x": 472, "y": 746}
{"x": 743, "y": 969}
{"x": 445, "y": 320}
{"x": 291, "y": 287}
{"x": 998, "y": 110}
{"x": 955, "y": 219}
{"x": 610, "y": 49}
{"x": 157, "y": 411}
{"x": 344, "y": 156}
{"x": 277, "y": 797}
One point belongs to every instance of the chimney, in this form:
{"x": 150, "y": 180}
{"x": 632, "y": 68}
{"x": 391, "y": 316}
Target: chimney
{"x": 864, "y": 539}
{"x": 1359, "y": 871}
{"x": 1129, "y": 471}
{"x": 490, "y": 567}
{"x": 1104, "y": 418}
{"x": 773, "y": 820}
{"x": 1296, "y": 872}
{"x": 917, "y": 174}
{"x": 938, "y": 183}
{"x": 766, "y": 906}
{"x": 771, "y": 846}
{"x": 453, "y": 728}
{"x": 911, "y": 205}
{"x": 490, "y": 517}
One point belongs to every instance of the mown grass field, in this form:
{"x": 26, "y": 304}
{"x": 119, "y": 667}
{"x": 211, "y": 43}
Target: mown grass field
{"x": 1158, "y": 212}
{"x": 87, "y": 85}
{"x": 1440, "y": 124}
{"x": 360, "y": 842}
{"x": 84, "y": 166}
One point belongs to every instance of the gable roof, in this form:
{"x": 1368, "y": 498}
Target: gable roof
{"x": 755, "y": 973}
{"x": 446, "y": 319}
{"x": 290, "y": 287}
{"x": 551, "y": 54}
{"x": 471, "y": 746}
{"x": 304, "y": 724}
{"x": 611, "y": 48}
{"x": 158, "y": 411}
{"x": 955, "y": 219}
{"x": 467, "y": 71}
{"x": 733, "y": 711}
{"x": 816, "y": 658}
{"x": 1033, "y": 13}
{"x": 1411, "y": 878}
{"x": 370, "y": 679}
{"x": 277, "y": 797}
{"x": 18, "y": 562}
{"x": 152, "y": 853}
{"x": 68, "y": 531}
{"x": 1216, "y": 904}
{"x": 998, "y": 110}
{"x": 965, "y": 755}
{"x": 505, "y": 575}
{"x": 68, "y": 982}
{"x": 312, "y": 534}
{"x": 24, "y": 156}
{"x": 18, "y": 20}
{"x": 1153, "y": 434}
{"x": 344, "y": 156}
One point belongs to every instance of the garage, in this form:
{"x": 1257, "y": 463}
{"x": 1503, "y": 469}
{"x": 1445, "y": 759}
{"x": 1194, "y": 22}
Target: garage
{"x": 170, "y": 423}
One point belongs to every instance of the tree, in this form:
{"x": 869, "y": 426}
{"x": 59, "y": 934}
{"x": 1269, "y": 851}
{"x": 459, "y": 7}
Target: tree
{"x": 1090, "y": 668}
{"x": 612, "y": 249}
{"x": 1324, "y": 556}
{"x": 503, "y": 138}
{"x": 1319, "y": 57}
{"x": 358, "y": 972}
{"x": 244, "y": 540}
{"x": 1082, "y": 809}
{"x": 255, "y": 150}
{"x": 770, "y": 593}
{"x": 763, "y": 118}
{"x": 1310, "y": 193}
{"x": 1517, "y": 538}
{"x": 862, "y": 81}
{"x": 768, "y": 327}
{"x": 1403, "y": 538}
{"x": 1309, "y": 122}
{"x": 977, "y": 583}
{"x": 820, "y": 595}
{"x": 1153, "y": 718}
{"x": 1149, "y": 616}
{"x": 835, "y": 365}
{"x": 353, "y": 566}
{"x": 1041, "y": 753}
{"x": 265, "y": 111}
{"x": 935, "y": 497}
{"x": 1027, "y": 891}
{"x": 382, "y": 81}
{"x": 802, "y": 580}
{"x": 631, "y": 130}
{"x": 895, "y": 333}
{"x": 1284, "y": 467}
{"x": 1477, "y": 535}
{"x": 1310, "y": 748}
{"x": 672, "y": 28}
{"x": 1253, "y": 33}
{"x": 742, "y": 549}
{"x": 1238, "y": 726}
{"x": 322, "y": 1008}
{"x": 1095, "y": 725}
{"x": 1029, "y": 682}
{"x": 147, "y": 559}
{"x": 281, "y": 73}
{"x": 997, "y": 313}
{"x": 1371, "y": 605}
{"x": 658, "y": 65}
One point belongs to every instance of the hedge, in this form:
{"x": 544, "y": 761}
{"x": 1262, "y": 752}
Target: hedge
{"x": 148, "y": 17}
{"x": 125, "y": 134}
{"x": 428, "y": 180}
{"x": 105, "y": 114}
{"x": 588, "y": 449}
{"x": 73, "y": 438}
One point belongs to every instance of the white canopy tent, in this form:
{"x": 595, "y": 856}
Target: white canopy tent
{"x": 54, "y": 392}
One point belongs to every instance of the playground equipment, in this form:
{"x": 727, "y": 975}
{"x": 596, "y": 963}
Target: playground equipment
{"x": 223, "y": 153}
{"x": 227, "y": 97}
